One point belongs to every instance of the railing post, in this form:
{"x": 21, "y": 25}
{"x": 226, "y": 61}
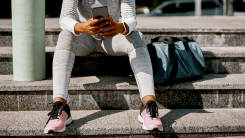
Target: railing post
{"x": 224, "y": 7}
{"x": 28, "y": 23}
{"x": 198, "y": 7}
{"x": 228, "y": 7}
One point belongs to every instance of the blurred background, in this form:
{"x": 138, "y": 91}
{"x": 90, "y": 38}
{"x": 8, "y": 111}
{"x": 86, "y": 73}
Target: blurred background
{"x": 154, "y": 8}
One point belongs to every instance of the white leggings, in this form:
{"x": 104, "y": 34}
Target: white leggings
{"x": 132, "y": 45}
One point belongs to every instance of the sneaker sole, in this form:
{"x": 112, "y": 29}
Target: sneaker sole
{"x": 143, "y": 126}
{"x": 67, "y": 122}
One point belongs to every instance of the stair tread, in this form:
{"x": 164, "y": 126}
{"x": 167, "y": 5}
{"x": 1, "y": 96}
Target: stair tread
{"x": 208, "y": 82}
{"x": 164, "y": 24}
{"x": 115, "y": 122}
{"x": 209, "y": 52}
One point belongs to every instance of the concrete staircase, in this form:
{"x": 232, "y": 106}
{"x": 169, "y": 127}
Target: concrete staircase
{"x": 104, "y": 97}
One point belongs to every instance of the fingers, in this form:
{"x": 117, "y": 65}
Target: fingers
{"x": 94, "y": 21}
{"x": 108, "y": 32}
{"x": 102, "y": 29}
{"x": 111, "y": 20}
{"x": 110, "y": 36}
{"x": 94, "y": 32}
{"x": 101, "y": 24}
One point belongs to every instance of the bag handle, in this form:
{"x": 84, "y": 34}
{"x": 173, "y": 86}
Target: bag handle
{"x": 189, "y": 39}
{"x": 173, "y": 40}
{"x": 168, "y": 40}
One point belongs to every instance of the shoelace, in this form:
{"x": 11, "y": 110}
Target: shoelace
{"x": 54, "y": 113}
{"x": 151, "y": 110}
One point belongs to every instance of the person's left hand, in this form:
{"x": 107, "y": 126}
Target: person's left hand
{"x": 115, "y": 29}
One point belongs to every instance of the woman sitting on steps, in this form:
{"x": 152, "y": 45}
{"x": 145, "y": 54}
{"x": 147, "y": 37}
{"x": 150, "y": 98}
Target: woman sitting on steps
{"x": 81, "y": 36}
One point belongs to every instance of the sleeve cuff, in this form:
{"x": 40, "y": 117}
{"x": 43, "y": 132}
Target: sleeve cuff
{"x": 69, "y": 25}
{"x": 131, "y": 24}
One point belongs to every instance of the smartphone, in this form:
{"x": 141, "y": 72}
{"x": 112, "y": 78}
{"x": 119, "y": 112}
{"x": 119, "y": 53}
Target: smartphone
{"x": 101, "y": 12}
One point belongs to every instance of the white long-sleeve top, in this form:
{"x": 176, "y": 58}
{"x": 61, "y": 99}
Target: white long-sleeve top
{"x": 74, "y": 11}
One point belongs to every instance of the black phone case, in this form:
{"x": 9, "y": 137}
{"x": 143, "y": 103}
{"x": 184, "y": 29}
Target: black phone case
{"x": 100, "y": 12}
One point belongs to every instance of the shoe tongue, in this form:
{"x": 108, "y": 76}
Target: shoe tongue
{"x": 55, "y": 109}
{"x": 58, "y": 103}
{"x": 150, "y": 102}
{"x": 152, "y": 108}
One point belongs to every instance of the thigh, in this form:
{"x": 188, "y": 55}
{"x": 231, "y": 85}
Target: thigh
{"x": 80, "y": 45}
{"x": 123, "y": 45}
{"x": 85, "y": 44}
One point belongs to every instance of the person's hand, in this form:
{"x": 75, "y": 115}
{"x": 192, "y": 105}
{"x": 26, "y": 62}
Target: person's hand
{"x": 90, "y": 26}
{"x": 115, "y": 29}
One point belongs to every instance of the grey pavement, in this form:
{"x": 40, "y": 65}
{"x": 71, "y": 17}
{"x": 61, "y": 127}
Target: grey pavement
{"x": 209, "y": 52}
{"x": 124, "y": 122}
{"x": 219, "y": 60}
{"x": 208, "y": 82}
{"x": 208, "y": 31}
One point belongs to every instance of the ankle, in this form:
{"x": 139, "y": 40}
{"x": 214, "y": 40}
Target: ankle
{"x": 61, "y": 100}
{"x": 148, "y": 98}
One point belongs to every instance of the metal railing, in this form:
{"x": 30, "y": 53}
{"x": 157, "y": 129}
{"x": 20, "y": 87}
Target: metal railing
{"x": 227, "y": 9}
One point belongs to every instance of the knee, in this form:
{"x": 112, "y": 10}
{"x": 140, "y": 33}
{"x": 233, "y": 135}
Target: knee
{"x": 136, "y": 40}
{"x": 66, "y": 41}
{"x": 66, "y": 35}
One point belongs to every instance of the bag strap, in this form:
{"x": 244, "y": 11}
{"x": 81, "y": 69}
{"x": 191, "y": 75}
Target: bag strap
{"x": 168, "y": 40}
{"x": 189, "y": 39}
{"x": 175, "y": 39}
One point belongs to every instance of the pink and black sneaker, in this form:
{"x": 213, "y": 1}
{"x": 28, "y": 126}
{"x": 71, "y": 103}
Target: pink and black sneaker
{"x": 149, "y": 116}
{"x": 59, "y": 117}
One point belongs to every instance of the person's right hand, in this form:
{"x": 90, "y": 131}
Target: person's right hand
{"x": 90, "y": 26}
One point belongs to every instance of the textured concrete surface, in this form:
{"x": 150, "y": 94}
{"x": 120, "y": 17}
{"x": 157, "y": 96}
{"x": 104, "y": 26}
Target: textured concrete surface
{"x": 208, "y": 82}
{"x": 207, "y": 31}
{"x": 102, "y": 92}
{"x": 35, "y": 100}
{"x": 9, "y": 101}
{"x": 153, "y": 135}
{"x": 6, "y": 66}
{"x": 214, "y": 81}
{"x": 220, "y": 60}
{"x": 124, "y": 100}
{"x": 194, "y": 121}
{"x": 184, "y": 99}
{"x": 241, "y": 112}
{"x": 225, "y": 65}
{"x": 76, "y": 83}
{"x": 104, "y": 100}
{"x": 118, "y": 122}
{"x": 238, "y": 100}
{"x": 120, "y": 66}
{"x": 97, "y": 122}
{"x": 5, "y": 120}
{"x": 198, "y": 135}
{"x": 198, "y": 99}
{"x": 208, "y": 52}
{"x": 100, "y": 122}
{"x": 5, "y": 37}
{"x": 28, "y": 123}
{"x": 223, "y": 52}
{"x": 204, "y": 39}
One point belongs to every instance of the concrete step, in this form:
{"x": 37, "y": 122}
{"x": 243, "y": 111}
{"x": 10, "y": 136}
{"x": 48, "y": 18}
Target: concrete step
{"x": 220, "y": 60}
{"x": 207, "y": 31}
{"x": 121, "y": 92}
{"x": 124, "y": 123}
